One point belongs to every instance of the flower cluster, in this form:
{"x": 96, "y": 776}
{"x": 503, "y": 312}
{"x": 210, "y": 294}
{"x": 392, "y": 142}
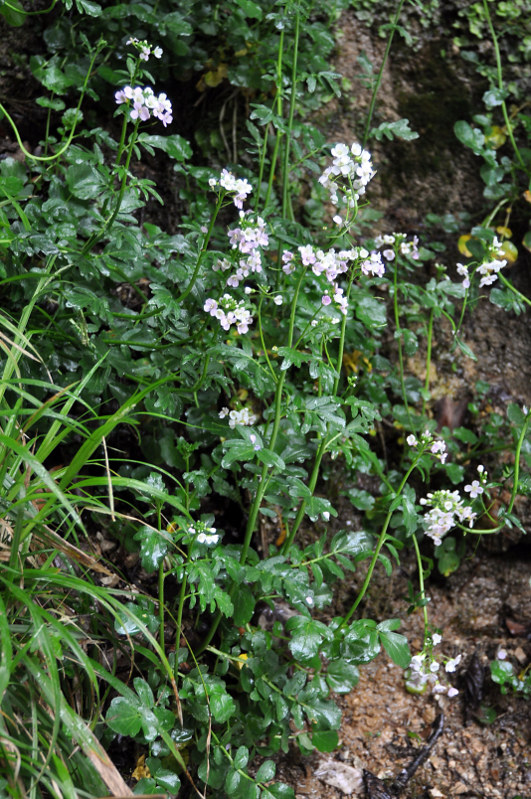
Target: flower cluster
{"x": 145, "y": 49}
{"x": 437, "y": 447}
{"x": 331, "y": 264}
{"x": 350, "y": 172}
{"x": 244, "y": 416}
{"x": 239, "y": 187}
{"x": 373, "y": 265}
{"x": 145, "y": 104}
{"x": 229, "y": 312}
{"x": 204, "y": 534}
{"x": 425, "y": 671}
{"x": 248, "y": 238}
{"x": 488, "y": 269}
{"x": 392, "y": 242}
{"x": 447, "y": 509}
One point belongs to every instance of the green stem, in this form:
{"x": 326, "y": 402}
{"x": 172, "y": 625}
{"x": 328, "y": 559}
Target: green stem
{"x": 107, "y": 225}
{"x": 380, "y": 73}
{"x": 399, "y": 336}
{"x": 510, "y": 286}
{"x": 381, "y": 541}
{"x": 514, "y": 492}
{"x": 500, "y": 86}
{"x": 204, "y": 247}
{"x": 280, "y": 93}
{"x": 421, "y": 586}
{"x": 429, "y": 341}
{"x": 161, "y": 603}
{"x": 66, "y": 145}
{"x": 326, "y": 440}
{"x": 286, "y": 205}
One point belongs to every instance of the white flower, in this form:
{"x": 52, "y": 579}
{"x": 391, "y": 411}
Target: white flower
{"x": 204, "y": 538}
{"x": 411, "y": 441}
{"x": 474, "y": 489}
{"x": 452, "y": 692}
{"x": 436, "y": 639}
{"x": 278, "y": 300}
{"x": 502, "y": 654}
{"x": 373, "y": 265}
{"x": 157, "y": 52}
{"x": 452, "y": 664}
{"x": 463, "y": 271}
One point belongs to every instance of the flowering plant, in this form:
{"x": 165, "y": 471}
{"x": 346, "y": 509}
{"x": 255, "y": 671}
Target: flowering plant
{"x": 219, "y": 377}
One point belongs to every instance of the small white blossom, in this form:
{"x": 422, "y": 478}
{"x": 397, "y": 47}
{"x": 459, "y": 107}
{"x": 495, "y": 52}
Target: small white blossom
{"x": 452, "y": 664}
{"x": 474, "y": 489}
{"x": 502, "y": 654}
{"x": 204, "y": 538}
{"x": 411, "y": 441}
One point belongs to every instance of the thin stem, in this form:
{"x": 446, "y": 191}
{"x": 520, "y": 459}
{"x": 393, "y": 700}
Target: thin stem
{"x": 326, "y": 440}
{"x": 429, "y": 342}
{"x": 204, "y": 247}
{"x": 500, "y": 86}
{"x": 399, "y": 336}
{"x": 421, "y": 585}
{"x": 107, "y": 225}
{"x": 510, "y": 286}
{"x": 66, "y": 145}
{"x": 380, "y": 73}
{"x": 381, "y": 541}
{"x": 279, "y": 97}
{"x": 292, "y": 103}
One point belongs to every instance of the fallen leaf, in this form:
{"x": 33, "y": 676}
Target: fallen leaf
{"x": 339, "y": 775}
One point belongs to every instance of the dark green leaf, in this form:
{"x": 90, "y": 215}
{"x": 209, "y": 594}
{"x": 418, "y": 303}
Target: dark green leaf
{"x": 325, "y": 740}
{"x": 266, "y": 771}
{"x": 397, "y": 648}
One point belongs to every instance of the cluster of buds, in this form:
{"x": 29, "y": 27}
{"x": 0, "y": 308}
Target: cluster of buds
{"x": 145, "y": 104}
